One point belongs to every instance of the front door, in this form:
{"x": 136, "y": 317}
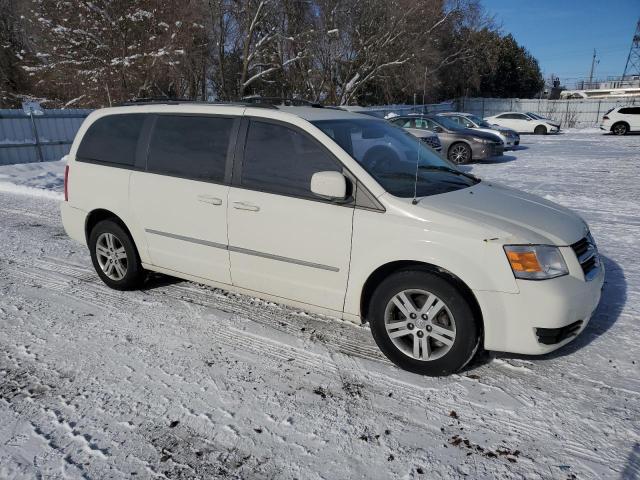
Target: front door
{"x": 283, "y": 240}
{"x": 181, "y": 200}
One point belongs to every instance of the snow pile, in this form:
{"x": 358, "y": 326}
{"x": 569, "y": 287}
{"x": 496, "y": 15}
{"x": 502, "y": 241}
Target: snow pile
{"x": 184, "y": 381}
{"x": 43, "y": 179}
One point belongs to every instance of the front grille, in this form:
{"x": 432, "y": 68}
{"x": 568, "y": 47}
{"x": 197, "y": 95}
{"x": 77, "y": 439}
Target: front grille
{"x": 587, "y": 254}
{"x": 433, "y": 142}
{"x": 551, "y": 336}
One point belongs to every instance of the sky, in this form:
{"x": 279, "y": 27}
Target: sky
{"x": 562, "y": 34}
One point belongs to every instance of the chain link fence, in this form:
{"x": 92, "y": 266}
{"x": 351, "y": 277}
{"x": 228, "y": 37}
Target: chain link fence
{"x": 575, "y": 113}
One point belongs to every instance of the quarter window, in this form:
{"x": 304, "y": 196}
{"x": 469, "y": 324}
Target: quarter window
{"x": 112, "y": 139}
{"x": 190, "y": 146}
{"x": 278, "y": 159}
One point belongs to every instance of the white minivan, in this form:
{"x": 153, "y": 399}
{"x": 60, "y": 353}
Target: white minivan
{"x": 336, "y": 213}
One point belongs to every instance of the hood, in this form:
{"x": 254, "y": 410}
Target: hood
{"x": 480, "y": 134}
{"x": 511, "y": 215}
{"x": 504, "y": 129}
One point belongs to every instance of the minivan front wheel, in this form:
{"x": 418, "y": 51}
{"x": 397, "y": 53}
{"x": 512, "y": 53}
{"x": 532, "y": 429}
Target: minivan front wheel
{"x": 114, "y": 256}
{"x": 423, "y": 324}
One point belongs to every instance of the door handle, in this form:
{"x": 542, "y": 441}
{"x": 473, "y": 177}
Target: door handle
{"x": 209, "y": 199}
{"x": 246, "y": 206}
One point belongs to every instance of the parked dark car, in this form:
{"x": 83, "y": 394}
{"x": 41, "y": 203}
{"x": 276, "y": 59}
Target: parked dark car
{"x": 459, "y": 145}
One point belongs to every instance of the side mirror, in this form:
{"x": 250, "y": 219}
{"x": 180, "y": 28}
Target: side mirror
{"x": 438, "y": 129}
{"x": 329, "y": 185}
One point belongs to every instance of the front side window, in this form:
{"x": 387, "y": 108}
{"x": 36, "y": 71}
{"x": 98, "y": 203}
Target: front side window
{"x": 392, "y": 155}
{"x": 279, "y": 159}
{"x": 190, "y": 146}
{"x": 112, "y": 139}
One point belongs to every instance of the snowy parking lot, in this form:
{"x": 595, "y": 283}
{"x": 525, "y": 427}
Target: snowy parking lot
{"x": 184, "y": 381}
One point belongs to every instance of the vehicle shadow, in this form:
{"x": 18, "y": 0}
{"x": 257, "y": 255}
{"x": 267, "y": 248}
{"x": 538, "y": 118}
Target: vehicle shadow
{"x": 501, "y": 159}
{"x": 614, "y": 297}
{"x": 632, "y": 468}
{"x": 157, "y": 280}
{"x": 520, "y": 147}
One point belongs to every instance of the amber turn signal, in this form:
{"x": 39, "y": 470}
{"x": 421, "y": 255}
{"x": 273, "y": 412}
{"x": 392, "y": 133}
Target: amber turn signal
{"x": 524, "y": 261}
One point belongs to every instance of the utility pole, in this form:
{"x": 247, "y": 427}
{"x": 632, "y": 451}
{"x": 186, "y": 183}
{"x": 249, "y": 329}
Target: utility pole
{"x": 632, "y": 66}
{"x": 593, "y": 65}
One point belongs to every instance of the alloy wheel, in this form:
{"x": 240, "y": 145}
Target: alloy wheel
{"x": 459, "y": 154}
{"x": 620, "y": 129}
{"x": 420, "y": 324}
{"x": 112, "y": 256}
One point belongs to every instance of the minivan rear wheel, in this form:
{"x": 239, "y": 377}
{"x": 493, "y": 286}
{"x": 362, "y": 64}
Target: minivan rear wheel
{"x": 115, "y": 257}
{"x": 423, "y": 324}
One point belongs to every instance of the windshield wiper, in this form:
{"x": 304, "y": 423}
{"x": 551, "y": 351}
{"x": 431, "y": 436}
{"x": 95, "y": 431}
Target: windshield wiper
{"x": 440, "y": 168}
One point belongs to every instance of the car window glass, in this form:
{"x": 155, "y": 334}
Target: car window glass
{"x": 112, "y": 139}
{"x": 279, "y": 159}
{"x": 190, "y": 146}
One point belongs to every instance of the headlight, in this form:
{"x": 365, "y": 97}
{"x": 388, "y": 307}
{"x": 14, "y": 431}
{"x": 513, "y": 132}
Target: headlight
{"x": 482, "y": 140}
{"x": 536, "y": 262}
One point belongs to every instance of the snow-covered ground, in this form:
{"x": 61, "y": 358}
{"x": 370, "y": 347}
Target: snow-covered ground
{"x": 184, "y": 381}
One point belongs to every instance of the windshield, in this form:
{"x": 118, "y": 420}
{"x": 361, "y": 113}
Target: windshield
{"x": 535, "y": 115}
{"x": 448, "y": 123}
{"x": 479, "y": 121}
{"x": 390, "y": 153}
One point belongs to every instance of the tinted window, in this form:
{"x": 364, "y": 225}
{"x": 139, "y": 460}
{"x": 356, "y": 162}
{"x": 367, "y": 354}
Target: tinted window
{"x": 112, "y": 139}
{"x": 279, "y": 159}
{"x": 630, "y": 110}
{"x": 190, "y": 146}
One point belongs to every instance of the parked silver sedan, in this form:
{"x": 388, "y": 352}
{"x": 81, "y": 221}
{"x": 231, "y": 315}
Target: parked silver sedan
{"x": 509, "y": 137}
{"x": 459, "y": 144}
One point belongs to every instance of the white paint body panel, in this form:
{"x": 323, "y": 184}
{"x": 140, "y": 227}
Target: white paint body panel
{"x": 318, "y": 256}
{"x": 174, "y": 206}
{"x": 299, "y": 230}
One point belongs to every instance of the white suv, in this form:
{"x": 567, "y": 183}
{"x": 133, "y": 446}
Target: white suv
{"x": 621, "y": 120}
{"x": 336, "y": 213}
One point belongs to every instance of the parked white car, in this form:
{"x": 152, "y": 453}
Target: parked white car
{"x": 621, "y": 120}
{"x": 335, "y": 213}
{"x": 509, "y": 137}
{"x": 525, "y": 123}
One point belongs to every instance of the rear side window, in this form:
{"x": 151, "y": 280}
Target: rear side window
{"x": 278, "y": 159}
{"x": 190, "y": 146}
{"x": 112, "y": 139}
{"x": 630, "y": 110}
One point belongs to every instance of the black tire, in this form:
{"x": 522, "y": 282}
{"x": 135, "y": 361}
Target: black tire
{"x": 135, "y": 274}
{"x": 540, "y": 130}
{"x": 620, "y": 128}
{"x": 459, "y": 153}
{"x": 467, "y": 335}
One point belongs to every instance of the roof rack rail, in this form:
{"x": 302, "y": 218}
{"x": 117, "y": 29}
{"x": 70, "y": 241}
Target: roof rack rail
{"x": 281, "y": 101}
{"x": 178, "y": 101}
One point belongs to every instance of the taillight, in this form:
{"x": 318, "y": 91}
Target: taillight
{"x": 66, "y": 183}
{"x": 605, "y": 118}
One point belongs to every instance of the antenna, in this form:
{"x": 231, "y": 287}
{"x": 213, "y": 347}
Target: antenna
{"x": 415, "y": 183}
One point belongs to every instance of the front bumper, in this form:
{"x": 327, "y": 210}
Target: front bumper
{"x": 483, "y": 151}
{"x": 544, "y": 315}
